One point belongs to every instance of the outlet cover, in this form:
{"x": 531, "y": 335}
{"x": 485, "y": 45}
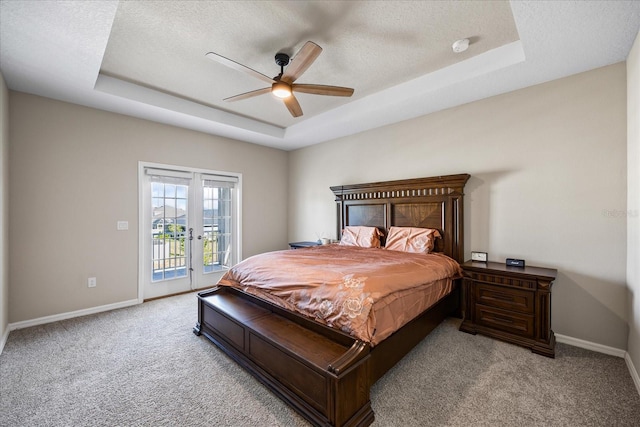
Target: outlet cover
{"x": 92, "y": 282}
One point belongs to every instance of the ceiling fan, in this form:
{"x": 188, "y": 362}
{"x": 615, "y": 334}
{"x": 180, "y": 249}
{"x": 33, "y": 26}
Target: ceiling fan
{"x": 282, "y": 85}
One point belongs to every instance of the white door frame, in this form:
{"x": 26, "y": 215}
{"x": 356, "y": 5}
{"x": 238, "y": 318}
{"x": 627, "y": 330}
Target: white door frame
{"x": 143, "y": 232}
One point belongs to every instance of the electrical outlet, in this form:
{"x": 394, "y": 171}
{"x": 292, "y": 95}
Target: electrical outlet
{"x": 91, "y": 283}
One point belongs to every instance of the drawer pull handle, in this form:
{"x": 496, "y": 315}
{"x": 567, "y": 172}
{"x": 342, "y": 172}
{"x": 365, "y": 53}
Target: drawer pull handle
{"x": 502, "y": 319}
{"x": 503, "y": 297}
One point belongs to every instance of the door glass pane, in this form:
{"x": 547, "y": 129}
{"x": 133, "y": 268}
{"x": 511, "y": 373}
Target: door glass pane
{"x": 217, "y": 226}
{"x": 169, "y": 225}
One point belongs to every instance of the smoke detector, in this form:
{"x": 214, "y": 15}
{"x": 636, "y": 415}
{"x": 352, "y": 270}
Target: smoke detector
{"x": 460, "y": 45}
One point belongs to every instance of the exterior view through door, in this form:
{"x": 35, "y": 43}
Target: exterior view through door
{"x": 189, "y": 222}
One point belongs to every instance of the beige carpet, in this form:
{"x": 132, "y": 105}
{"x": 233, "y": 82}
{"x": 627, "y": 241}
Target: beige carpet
{"x": 142, "y": 366}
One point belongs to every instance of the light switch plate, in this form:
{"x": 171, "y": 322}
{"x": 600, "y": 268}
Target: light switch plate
{"x": 122, "y": 225}
{"x": 479, "y": 256}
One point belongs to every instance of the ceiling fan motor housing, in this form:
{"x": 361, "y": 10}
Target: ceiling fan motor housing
{"x": 282, "y": 59}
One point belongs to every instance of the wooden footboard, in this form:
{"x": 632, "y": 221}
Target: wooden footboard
{"x": 322, "y": 373}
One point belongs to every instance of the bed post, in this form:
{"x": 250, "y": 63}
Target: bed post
{"x": 339, "y": 214}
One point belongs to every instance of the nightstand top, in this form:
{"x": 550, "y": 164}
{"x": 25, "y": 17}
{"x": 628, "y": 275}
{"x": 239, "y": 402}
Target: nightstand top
{"x": 498, "y": 267}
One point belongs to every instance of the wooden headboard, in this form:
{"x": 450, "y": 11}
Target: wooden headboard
{"x": 434, "y": 202}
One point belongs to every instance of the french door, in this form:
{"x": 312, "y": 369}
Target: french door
{"x": 189, "y": 222}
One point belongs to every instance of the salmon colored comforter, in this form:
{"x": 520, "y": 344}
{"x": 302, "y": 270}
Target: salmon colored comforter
{"x": 366, "y": 292}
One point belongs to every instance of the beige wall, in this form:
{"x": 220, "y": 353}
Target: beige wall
{"x": 74, "y": 173}
{"x": 633, "y": 199}
{"x": 4, "y": 217}
{"x": 548, "y": 167}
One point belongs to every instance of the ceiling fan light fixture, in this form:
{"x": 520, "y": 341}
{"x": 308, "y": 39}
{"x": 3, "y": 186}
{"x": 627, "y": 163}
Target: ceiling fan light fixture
{"x": 281, "y": 90}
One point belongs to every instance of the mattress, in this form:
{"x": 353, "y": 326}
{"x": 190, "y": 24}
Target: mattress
{"x": 368, "y": 293}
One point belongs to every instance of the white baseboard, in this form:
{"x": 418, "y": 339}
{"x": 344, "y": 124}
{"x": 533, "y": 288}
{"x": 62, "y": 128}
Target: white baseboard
{"x": 71, "y": 314}
{"x": 612, "y": 351}
{"x": 3, "y": 339}
{"x": 632, "y": 371}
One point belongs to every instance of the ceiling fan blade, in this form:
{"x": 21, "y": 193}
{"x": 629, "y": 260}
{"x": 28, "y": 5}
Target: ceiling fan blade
{"x": 323, "y": 90}
{"x": 248, "y": 94}
{"x": 236, "y": 66}
{"x": 293, "y": 106}
{"x": 303, "y": 59}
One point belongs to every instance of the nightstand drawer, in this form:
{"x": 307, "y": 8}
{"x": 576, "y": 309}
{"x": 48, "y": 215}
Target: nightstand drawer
{"x": 506, "y": 298}
{"x": 502, "y": 280}
{"x": 495, "y": 318}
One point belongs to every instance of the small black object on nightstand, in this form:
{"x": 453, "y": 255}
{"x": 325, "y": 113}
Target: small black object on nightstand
{"x": 298, "y": 245}
{"x": 514, "y": 262}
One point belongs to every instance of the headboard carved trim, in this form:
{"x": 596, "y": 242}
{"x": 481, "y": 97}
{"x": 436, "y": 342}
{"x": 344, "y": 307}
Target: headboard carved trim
{"x": 433, "y": 202}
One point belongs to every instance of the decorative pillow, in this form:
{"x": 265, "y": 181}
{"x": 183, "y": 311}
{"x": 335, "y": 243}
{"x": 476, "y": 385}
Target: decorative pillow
{"x": 365, "y": 237}
{"x": 412, "y": 239}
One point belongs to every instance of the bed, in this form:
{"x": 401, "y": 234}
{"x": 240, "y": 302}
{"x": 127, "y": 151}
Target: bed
{"x": 321, "y": 368}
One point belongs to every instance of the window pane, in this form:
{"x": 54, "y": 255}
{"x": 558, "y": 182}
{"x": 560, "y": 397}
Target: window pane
{"x": 157, "y": 190}
{"x": 169, "y": 225}
{"x": 217, "y": 208}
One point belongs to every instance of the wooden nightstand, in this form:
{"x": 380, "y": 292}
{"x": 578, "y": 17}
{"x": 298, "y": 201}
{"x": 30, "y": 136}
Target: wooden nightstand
{"x": 509, "y": 303}
{"x": 298, "y": 245}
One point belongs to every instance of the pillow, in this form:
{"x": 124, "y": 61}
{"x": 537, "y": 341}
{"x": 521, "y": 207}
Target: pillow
{"x": 365, "y": 237}
{"x": 412, "y": 239}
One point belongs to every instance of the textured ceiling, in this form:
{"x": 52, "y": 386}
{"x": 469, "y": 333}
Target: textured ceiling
{"x": 368, "y": 46}
{"x": 146, "y": 59}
